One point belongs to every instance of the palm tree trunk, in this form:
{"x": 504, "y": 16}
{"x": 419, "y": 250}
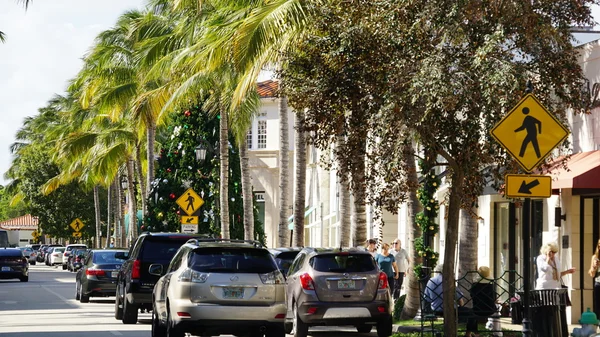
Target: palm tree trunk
{"x": 133, "y": 231}
{"x": 247, "y": 196}
{"x": 412, "y": 301}
{"x": 359, "y": 192}
{"x": 224, "y": 176}
{"x": 140, "y": 178}
{"x": 449, "y": 285}
{"x": 109, "y": 213}
{"x": 284, "y": 172}
{"x": 300, "y": 201}
{"x": 122, "y": 235}
{"x": 97, "y": 213}
{"x": 150, "y": 139}
{"x": 345, "y": 201}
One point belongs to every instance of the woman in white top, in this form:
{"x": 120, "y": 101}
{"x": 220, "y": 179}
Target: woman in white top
{"x": 548, "y": 267}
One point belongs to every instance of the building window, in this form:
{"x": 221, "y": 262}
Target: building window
{"x": 249, "y": 139}
{"x": 262, "y": 134}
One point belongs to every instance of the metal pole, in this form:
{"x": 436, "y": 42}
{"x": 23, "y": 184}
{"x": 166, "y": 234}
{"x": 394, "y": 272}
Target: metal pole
{"x": 526, "y": 266}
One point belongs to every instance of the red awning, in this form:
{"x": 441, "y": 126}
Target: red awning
{"x": 583, "y": 171}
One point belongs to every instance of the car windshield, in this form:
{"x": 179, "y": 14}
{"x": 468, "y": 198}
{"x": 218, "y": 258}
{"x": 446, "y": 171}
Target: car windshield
{"x": 106, "y": 257}
{"x": 343, "y": 262}
{"x": 232, "y": 260}
{"x": 285, "y": 259}
{"x": 58, "y": 250}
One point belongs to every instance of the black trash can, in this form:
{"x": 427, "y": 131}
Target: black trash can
{"x": 548, "y": 313}
{"x": 516, "y": 312}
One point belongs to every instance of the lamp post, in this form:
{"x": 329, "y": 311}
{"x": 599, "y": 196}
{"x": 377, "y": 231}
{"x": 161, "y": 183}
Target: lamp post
{"x": 200, "y": 151}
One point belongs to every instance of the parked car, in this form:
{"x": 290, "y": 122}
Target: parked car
{"x": 29, "y": 253}
{"x": 56, "y": 256}
{"x": 284, "y": 257}
{"x": 41, "y": 252}
{"x": 337, "y": 287}
{"x": 13, "y": 264}
{"x": 134, "y": 282}
{"x": 47, "y": 252}
{"x": 98, "y": 276}
{"x": 67, "y": 253}
{"x": 76, "y": 259}
{"x": 219, "y": 286}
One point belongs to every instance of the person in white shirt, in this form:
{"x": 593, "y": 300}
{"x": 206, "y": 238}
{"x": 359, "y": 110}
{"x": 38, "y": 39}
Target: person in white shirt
{"x": 548, "y": 268}
{"x": 372, "y": 247}
{"x": 403, "y": 261}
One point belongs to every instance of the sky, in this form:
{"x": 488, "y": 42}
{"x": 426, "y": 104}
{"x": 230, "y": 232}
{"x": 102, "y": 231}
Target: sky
{"x": 43, "y": 51}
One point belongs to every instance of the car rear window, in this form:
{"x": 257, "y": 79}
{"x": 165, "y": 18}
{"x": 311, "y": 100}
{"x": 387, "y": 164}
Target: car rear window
{"x": 159, "y": 250}
{"x": 340, "y": 263}
{"x": 106, "y": 257}
{"x": 232, "y": 260}
{"x": 285, "y": 259}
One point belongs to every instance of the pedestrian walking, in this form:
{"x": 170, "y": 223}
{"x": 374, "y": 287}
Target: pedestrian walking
{"x": 387, "y": 264}
{"x": 402, "y": 261}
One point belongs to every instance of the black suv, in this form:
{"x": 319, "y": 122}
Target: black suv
{"x": 134, "y": 282}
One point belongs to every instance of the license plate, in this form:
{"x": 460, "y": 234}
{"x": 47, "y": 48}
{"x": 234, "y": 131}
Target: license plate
{"x": 114, "y": 274}
{"x": 233, "y": 293}
{"x": 6, "y": 269}
{"x": 346, "y": 284}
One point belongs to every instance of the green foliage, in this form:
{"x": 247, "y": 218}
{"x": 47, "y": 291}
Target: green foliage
{"x": 177, "y": 170}
{"x": 426, "y": 219}
{"x": 398, "y": 306}
{"x": 7, "y": 211}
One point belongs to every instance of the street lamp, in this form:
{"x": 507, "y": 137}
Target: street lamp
{"x": 201, "y": 151}
{"x": 124, "y": 182}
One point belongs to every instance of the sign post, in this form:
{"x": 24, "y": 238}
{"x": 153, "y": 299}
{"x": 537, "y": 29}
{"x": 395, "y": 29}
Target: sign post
{"x": 529, "y": 133}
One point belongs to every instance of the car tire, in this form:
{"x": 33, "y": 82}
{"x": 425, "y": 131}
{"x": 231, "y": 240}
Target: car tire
{"x": 364, "y": 328}
{"x": 173, "y": 331}
{"x": 83, "y": 298}
{"x": 275, "y": 331}
{"x": 157, "y": 329}
{"x": 77, "y": 296}
{"x": 299, "y": 329}
{"x": 118, "y": 309}
{"x": 64, "y": 267}
{"x": 130, "y": 312}
{"x": 287, "y": 327}
{"x": 384, "y": 327}
{"x": 24, "y": 278}
{"x": 32, "y": 263}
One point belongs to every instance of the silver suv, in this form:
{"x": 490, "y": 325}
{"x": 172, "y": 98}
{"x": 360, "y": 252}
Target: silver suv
{"x": 327, "y": 286}
{"x": 219, "y": 286}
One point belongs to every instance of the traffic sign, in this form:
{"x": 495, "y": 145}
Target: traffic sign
{"x": 189, "y": 220}
{"x": 190, "y": 201}
{"x": 77, "y": 225}
{"x": 529, "y": 132}
{"x": 527, "y": 186}
{"x": 77, "y": 234}
{"x": 191, "y": 229}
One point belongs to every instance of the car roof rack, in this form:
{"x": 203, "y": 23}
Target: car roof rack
{"x": 197, "y": 241}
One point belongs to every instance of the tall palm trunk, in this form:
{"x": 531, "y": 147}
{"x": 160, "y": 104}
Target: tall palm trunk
{"x": 449, "y": 285}
{"x": 359, "y": 192}
{"x": 133, "y": 231}
{"x": 224, "y": 176}
{"x": 121, "y": 235}
{"x": 412, "y": 302}
{"x": 150, "y": 139}
{"x": 109, "y": 209}
{"x": 97, "y": 213}
{"x": 284, "y": 173}
{"x": 247, "y": 196}
{"x": 140, "y": 177}
{"x": 345, "y": 199}
{"x": 300, "y": 193}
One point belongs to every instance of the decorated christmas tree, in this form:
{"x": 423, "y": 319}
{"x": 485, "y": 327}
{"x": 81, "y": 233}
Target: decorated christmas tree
{"x": 178, "y": 169}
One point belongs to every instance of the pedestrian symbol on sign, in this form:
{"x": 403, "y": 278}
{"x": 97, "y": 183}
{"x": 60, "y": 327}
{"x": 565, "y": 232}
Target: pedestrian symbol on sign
{"x": 532, "y": 126}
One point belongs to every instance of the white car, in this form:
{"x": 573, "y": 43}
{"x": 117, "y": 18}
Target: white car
{"x": 68, "y": 251}
{"x": 57, "y": 256}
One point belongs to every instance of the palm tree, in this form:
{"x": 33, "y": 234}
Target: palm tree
{"x": 284, "y": 175}
{"x": 26, "y": 4}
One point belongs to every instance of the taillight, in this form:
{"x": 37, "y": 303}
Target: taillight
{"x": 135, "y": 269}
{"x": 383, "y": 281}
{"x": 190, "y": 275}
{"x": 55, "y": 254}
{"x": 95, "y": 272}
{"x": 274, "y": 277}
{"x": 307, "y": 282}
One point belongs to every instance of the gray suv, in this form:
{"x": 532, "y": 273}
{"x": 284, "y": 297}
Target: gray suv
{"x": 327, "y": 286}
{"x": 219, "y": 286}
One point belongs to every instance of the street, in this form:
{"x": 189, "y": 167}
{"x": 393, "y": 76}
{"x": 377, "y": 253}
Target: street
{"x": 46, "y": 306}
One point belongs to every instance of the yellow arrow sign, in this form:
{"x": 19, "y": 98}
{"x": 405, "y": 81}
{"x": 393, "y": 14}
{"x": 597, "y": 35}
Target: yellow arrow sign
{"x": 77, "y": 225}
{"x": 528, "y": 186}
{"x": 190, "y": 220}
{"x": 76, "y": 234}
{"x": 190, "y": 201}
{"x": 529, "y": 132}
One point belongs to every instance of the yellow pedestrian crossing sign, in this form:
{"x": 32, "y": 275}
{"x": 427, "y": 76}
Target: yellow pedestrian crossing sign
{"x": 529, "y": 132}
{"x": 77, "y": 225}
{"x": 190, "y": 201}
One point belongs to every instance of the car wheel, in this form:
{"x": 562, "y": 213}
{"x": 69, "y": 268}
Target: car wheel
{"x": 157, "y": 329}
{"x": 130, "y": 312}
{"x": 275, "y": 331}
{"x": 384, "y": 327}
{"x": 32, "y": 263}
{"x": 24, "y": 278}
{"x": 364, "y": 328}
{"x": 77, "y": 296}
{"x": 287, "y": 327}
{"x": 118, "y": 308}
{"x": 83, "y": 298}
{"x": 172, "y": 330}
{"x": 64, "y": 267}
{"x": 299, "y": 328}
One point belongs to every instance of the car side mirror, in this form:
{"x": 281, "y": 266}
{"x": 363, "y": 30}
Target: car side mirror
{"x": 155, "y": 269}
